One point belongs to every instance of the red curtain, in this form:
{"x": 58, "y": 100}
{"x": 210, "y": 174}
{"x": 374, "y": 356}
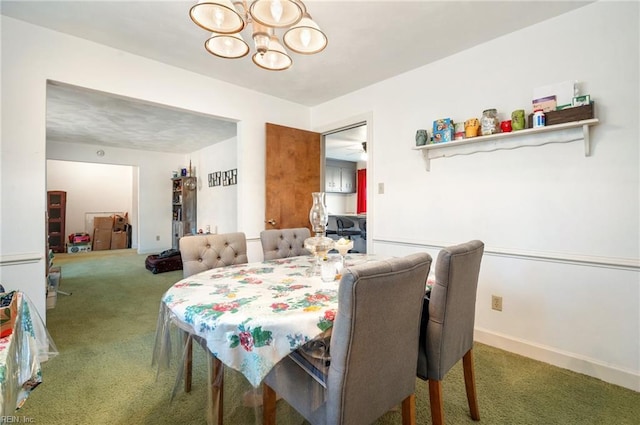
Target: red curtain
{"x": 362, "y": 191}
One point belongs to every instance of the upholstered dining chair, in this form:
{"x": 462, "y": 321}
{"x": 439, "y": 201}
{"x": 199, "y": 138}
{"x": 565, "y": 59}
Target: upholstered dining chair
{"x": 200, "y": 253}
{"x": 372, "y": 349}
{"x": 446, "y": 330}
{"x": 204, "y": 252}
{"x": 283, "y": 243}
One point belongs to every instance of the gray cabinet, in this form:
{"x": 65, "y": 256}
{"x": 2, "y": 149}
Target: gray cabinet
{"x": 184, "y": 208}
{"x": 340, "y": 176}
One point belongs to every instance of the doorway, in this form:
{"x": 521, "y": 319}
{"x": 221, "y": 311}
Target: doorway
{"x": 345, "y": 169}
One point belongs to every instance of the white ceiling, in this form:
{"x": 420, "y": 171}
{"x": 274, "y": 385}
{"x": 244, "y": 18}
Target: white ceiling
{"x": 369, "y": 41}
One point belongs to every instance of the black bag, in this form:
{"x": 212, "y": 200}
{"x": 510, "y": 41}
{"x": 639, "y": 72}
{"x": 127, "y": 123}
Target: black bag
{"x": 157, "y": 264}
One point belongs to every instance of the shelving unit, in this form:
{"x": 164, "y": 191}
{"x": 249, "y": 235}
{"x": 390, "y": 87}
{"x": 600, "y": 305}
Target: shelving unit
{"x": 510, "y": 140}
{"x": 56, "y": 212}
{"x": 184, "y": 208}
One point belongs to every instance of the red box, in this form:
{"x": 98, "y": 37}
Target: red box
{"x": 79, "y": 238}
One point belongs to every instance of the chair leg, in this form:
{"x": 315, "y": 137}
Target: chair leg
{"x": 188, "y": 362}
{"x": 435, "y": 398}
{"x": 470, "y": 384}
{"x": 216, "y": 390}
{"x": 409, "y": 410}
{"x": 268, "y": 405}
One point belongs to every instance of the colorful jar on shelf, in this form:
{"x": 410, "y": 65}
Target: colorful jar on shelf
{"x": 489, "y": 122}
{"x": 539, "y": 118}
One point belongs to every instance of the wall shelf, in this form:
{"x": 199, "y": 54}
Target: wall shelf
{"x": 511, "y": 140}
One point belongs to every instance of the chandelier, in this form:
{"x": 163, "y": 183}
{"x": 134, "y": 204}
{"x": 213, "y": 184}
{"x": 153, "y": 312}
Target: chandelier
{"x": 226, "y": 20}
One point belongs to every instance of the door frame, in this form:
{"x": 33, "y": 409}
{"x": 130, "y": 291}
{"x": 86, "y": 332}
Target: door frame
{"x": 366, "y": 118}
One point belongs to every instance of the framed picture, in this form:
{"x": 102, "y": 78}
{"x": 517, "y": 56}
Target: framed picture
{"x": 216, "y": 178}
{"x": 233, "y": 176}
{"x": 230, "y": 177}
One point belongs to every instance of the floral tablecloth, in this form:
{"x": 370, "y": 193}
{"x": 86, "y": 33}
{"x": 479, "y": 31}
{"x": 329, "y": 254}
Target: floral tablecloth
{"x": 21, "y": 354}
{"x": 253, "y": 315}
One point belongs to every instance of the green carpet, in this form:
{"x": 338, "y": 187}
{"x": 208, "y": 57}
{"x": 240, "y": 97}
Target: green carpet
{"x": 105, "y": 335}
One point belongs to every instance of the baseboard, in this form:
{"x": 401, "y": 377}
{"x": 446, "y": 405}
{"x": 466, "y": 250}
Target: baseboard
{"x": 571, "y": 361}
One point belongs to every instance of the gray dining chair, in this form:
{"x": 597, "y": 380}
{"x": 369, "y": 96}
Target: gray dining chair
{"x": 200, "y": 253}
{"x": 446, "y": 331}
{"x": 373, "y": 349}
{"x": 283, "y": 243}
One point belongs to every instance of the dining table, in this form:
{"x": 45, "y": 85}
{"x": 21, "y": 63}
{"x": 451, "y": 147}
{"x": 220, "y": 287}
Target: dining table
{"x": 250, "y": 316}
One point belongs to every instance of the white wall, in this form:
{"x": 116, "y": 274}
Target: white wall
{"x": 27, "y": 63}
{"x": 561, "y": 229}
{"x": 217, "y": 205}
{"x": 91, "y": 188}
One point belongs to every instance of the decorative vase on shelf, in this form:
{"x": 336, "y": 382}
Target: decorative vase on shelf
{"x": 422, "y": 136}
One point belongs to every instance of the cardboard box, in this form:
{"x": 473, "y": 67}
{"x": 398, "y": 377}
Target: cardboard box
{"x": 547, "y": 104}
{"x": 73, "y": 248}
{"x": 52, "y": 298}
{"x": 54, "y": 277}
{"x": 103, "y": 223}
{"x": 101, "y": 239}
{"x": 119, "y": 240}
{"x": 8, "y": 313}
{"x": 119, "y": 222}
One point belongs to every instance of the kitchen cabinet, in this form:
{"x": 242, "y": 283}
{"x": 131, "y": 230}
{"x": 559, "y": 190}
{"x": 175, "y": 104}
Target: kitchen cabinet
{"x": 340, "y": 176}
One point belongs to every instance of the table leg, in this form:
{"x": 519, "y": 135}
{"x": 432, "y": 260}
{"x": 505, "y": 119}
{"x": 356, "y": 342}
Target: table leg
{"x": 188, "y": 360}
{"x": 216, "y": 387}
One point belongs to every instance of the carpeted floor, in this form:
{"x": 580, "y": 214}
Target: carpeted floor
{"x": 105, "y": 335}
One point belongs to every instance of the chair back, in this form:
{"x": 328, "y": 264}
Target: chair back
{"x": 452, "y": 306}
{"x": 374, "y": 342}
{"x": 344, "y": 223}
{"x": 283, "y": 243}
{"x": 204, "y": 252}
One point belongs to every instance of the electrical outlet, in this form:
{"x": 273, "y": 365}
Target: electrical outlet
{"x": 496, "y": 303}
{"x": 158, "y": 237}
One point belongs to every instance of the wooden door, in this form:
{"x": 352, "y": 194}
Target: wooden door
{"x": 293, "y": 166}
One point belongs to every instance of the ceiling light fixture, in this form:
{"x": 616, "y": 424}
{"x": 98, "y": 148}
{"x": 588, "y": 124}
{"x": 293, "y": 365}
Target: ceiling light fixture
{"x": 226, "y": 20}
